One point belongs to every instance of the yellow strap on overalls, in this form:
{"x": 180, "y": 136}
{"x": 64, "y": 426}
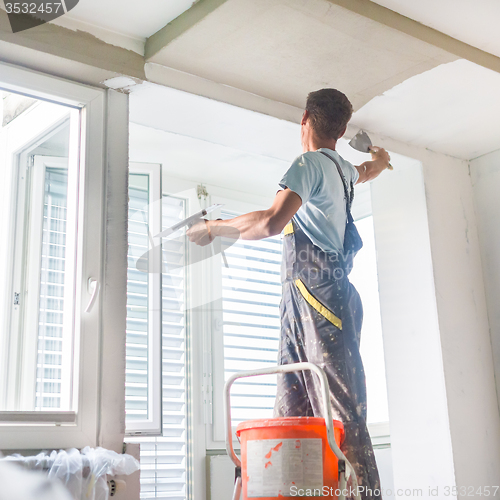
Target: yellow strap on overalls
{"x": 313, "y": 302}
{"x": 288, "y": 229}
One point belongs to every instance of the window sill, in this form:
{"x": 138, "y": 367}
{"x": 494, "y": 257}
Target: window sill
{"x": 37, "y": 417}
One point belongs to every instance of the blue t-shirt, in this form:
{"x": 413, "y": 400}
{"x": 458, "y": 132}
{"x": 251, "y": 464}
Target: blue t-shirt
{"x": 315, "y": 178}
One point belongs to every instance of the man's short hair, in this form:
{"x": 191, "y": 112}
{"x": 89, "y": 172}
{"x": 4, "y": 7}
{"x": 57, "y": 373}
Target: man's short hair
{"x": 329, "y": 111}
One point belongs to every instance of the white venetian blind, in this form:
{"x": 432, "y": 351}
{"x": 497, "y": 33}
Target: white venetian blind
{"x": 164, "y": 460}
{"x": 136, "y": 373}
{"x": 51, "y": 304}
{"x": 251, "y": 322}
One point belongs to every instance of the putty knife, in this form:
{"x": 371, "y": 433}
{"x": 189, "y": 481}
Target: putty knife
{"x": 362, "y": 142}
{"x": 189, "y": 221}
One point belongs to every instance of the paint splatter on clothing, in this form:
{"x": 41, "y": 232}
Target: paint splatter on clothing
{"x": 321, "y": 318}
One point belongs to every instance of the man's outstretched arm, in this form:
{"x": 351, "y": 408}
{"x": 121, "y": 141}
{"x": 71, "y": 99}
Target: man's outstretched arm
{"x": 373, "y": 168}
{"x": 252, "y": 226}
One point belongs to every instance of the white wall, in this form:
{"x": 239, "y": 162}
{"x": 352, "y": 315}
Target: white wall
{"x": 485, "y": 173}
{"x": 415, "y": 374}
{"x": 464, "y": 341}
{"x": 463, "y": 322}
{"x": 114, "y": 286}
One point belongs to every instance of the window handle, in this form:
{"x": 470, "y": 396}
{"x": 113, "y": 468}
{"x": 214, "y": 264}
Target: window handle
{"x": 93, "y": 287}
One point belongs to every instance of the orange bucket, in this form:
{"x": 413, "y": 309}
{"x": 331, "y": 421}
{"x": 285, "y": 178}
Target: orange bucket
{"x": 288, "y": 457}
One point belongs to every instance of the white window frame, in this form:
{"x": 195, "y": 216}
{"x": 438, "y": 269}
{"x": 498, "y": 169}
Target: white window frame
{"x": 78, "y": 428}
{"x": 152, "y": 426}
{"x": 28, "y": 122}
{"x": 40, "y": 163}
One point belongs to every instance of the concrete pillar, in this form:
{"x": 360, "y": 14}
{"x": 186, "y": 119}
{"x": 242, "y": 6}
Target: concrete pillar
{"x": 419, "y": 419}
{"x": 474, "y": 419}
{"x": 485, "y": 174}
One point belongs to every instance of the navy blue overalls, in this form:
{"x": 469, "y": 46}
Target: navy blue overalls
{"x": 321, "y": 318}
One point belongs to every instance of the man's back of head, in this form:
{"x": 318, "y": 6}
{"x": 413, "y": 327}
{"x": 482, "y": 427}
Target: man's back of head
{"x": 329, "y": 111}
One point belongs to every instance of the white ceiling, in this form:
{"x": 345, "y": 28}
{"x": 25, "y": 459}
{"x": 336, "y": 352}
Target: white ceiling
{"x": 128, "y": 17}
{"x": 471, "y": 21}
{"x": 452, "y": 109}
{"x": 214, "y": 122}
{"x": 283, "y": 49}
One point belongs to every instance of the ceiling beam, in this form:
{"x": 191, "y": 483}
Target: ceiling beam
{"x": 155, "y": 43}
{"x": 417, "y": 30}
{"x": 74, "y": 45}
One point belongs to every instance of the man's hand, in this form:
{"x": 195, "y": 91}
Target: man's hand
{"x": 200, "y": 233}
{"x": 371, "y": 169}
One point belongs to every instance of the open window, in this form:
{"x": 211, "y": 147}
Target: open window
{"x": 143, "y": 401}
{"x": 39, "y": 364}
{"x": 51, "y": 220}
{"x": 158, "y": 329}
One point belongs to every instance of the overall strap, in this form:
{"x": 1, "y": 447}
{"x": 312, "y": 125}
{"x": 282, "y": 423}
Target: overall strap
{"x": 349, "y": 196}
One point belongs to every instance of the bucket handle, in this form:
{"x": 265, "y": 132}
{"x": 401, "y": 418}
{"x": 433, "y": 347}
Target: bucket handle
{"x": 327, "y": 411}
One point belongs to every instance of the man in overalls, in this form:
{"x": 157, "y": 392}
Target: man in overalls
{"x": 321, "y": 311}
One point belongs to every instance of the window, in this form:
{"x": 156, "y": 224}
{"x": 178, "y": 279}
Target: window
{"x": 39, "y": 321}
{"x": 164, "y": 458}
{"x": 136, "y": 375}
{"x": 53, "y": 281}
{"x": 51, "y": 222}
{"x": 143, "y": 350}
{"x": 251, "y": 293}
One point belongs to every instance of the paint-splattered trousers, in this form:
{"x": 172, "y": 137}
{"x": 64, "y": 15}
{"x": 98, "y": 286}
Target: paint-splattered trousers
{"x": 321, "y": 318}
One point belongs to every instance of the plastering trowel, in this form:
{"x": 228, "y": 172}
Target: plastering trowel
{"x": 189, "y": 221}
{"x": 151, "y": 261}
{"x": 362, "y": 142}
